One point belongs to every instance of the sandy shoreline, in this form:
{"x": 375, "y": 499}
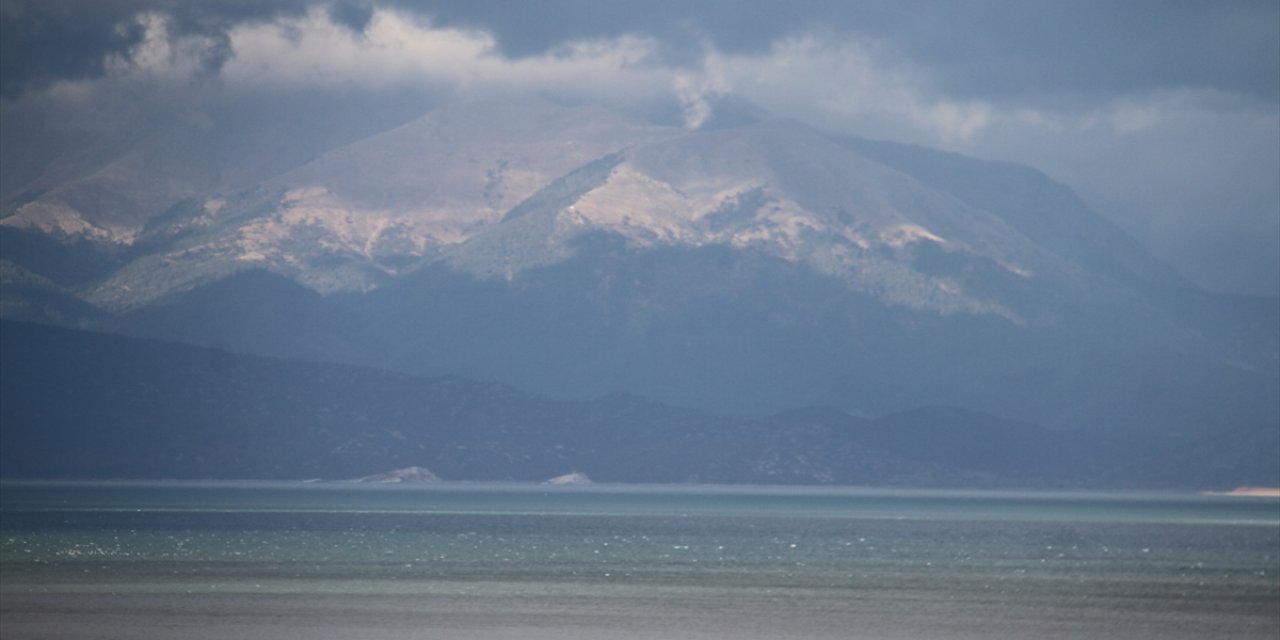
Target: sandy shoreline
{"x": 1263, "y": 492}
{"x": 147, "y": 616}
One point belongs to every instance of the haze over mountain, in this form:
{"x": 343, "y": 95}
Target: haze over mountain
{"x": 78, "y": 404}
{"x": 628, "y": 215}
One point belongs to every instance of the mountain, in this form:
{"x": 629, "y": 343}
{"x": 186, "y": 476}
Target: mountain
{"x": 495, "y": 189}
{"x": 84, "y": 405}
{"x": 745, "y": 269}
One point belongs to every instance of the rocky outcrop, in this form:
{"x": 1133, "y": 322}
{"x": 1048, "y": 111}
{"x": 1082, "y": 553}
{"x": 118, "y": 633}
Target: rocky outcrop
{"x": 407, "y": 475}
{"x": 574, "y": 478}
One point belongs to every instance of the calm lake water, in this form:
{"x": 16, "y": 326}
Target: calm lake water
{"x": 276, "y": 560}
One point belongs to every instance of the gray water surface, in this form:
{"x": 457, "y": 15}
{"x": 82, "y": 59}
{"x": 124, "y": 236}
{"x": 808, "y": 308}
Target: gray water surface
{"x": 284, "y": 560}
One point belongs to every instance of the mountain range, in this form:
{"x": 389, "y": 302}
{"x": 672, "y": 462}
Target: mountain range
{"x": 79, "y": 404}
{"x": 750, "y": 269}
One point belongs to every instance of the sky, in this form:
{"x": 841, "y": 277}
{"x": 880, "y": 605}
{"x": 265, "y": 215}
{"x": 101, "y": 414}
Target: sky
{"x": 1164, "y": 115}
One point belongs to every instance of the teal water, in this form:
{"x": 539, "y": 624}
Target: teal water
{"x": 453, "y": 561}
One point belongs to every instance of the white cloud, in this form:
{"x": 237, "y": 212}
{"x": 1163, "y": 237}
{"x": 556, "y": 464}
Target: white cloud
{"x": 160, "y": 55}
{"x": 696, "y": 92}
{"x": 397, "y": 49}
{"x": 807, "y": 77}
{"x": 312, "y": 50}
{"x": 853, "y": 81}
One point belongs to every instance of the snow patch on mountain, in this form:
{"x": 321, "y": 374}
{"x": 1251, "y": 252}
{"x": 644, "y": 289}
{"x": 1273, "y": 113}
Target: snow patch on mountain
{"x": 901, "y": 235}
{"x": 58, "y": 219}
{"x": 645, "y": 209}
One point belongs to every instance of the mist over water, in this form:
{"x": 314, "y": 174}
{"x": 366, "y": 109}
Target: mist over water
{"x": 462, "y": 561}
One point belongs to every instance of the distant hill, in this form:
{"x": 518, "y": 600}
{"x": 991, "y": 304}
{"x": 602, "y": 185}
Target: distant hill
{"x": 85, "y": 405}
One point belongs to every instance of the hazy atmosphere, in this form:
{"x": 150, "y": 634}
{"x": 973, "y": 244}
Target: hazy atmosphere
{"x": 646, "y": 320}
{"x": 1163, "y": 115}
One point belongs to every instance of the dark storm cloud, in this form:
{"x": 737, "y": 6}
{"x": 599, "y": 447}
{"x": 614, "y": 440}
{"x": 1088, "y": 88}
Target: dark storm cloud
{"x": 1015, "y": 49}
{"x": 352, "y": 15}
{"x": 42, "y": 41}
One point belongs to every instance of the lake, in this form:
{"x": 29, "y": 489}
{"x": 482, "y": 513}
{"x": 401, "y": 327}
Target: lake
{"x": 450, "y": 561}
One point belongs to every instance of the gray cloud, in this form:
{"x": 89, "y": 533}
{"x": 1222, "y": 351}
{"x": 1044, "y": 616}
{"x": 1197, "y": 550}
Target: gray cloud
{"x": 1028, "y": 49}
{"x": 1033, "y": 50}
{"x": 353, "y": 15}
{"x": 43, "y": 41}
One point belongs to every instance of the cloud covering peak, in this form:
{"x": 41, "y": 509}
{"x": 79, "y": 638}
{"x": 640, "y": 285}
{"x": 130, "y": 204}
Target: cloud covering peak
{"x": 1165, "y": 115}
